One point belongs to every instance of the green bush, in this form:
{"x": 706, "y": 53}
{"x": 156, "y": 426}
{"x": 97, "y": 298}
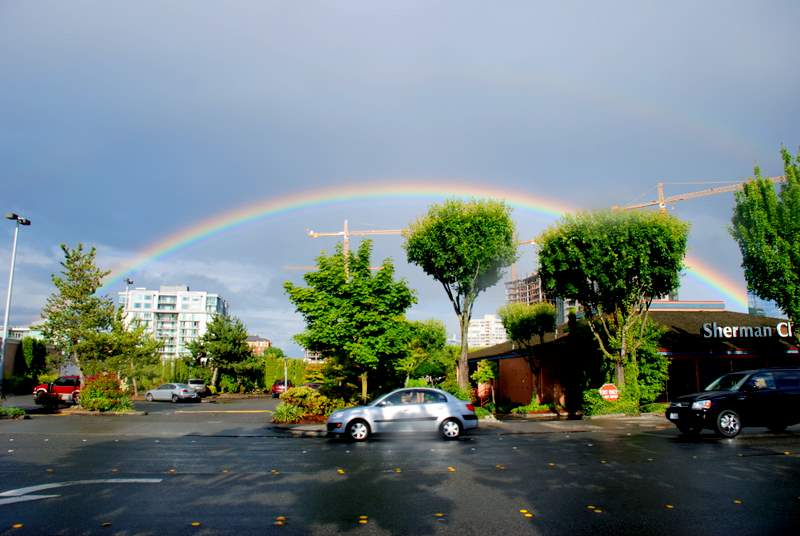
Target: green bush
{"x": 533, "y": 407}
{"x": 104, "y": 393}
{"x": 417, "y": 382}
{"x": 452, "y": 387}
{"x": 482, "y": 413}
{"x": 286, "y": 414}
{"x": 12, "y": 412}
{"x": 655, "y": 407}
{"x": 48, "y": 378}
{"x": 311, "y": 402}
{"x": 593, "y": 404}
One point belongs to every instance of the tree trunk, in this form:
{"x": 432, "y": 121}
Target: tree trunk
{"x": 462, "y": 371}
{"x": 364, "y": 387}
{"x": 214, "y": 374}
{"x": 133, "y": 379}
{"x": 621, "y": 360}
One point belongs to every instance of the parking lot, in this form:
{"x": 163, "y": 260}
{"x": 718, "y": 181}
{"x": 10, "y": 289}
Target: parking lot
{"x": 225, "y": 467}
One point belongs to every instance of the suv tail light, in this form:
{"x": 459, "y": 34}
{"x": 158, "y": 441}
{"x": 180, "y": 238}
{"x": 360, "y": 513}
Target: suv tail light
{"x": 470, "y": 407}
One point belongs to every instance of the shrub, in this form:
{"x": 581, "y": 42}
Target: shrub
{"x": 48, "y": 378}
{"x": 311, "y": 402}
{"x": 104, "y": 393}
{"x": 532, "y": 407}
{"x": 482, "y": 413}
{"x": 593, "y": 404}
{"x": 452, "y": 387}
{"x": 655, "y": 407}
{"x": 417, "y": 382}
{"x": 286, "y": 413}
{"x": 12, "y": 412}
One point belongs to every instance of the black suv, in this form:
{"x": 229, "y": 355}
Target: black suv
{"x": 763, "y": 397}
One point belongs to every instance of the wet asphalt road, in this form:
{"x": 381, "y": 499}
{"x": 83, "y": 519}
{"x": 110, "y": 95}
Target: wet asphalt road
{"x": 233, "y": 474}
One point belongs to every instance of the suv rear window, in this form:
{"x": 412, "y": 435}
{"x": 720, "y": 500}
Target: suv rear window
{"x": 196, "y": 382}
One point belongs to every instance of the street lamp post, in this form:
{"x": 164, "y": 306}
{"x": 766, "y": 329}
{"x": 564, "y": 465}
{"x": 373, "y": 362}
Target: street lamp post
{"x": 19, "y": 221}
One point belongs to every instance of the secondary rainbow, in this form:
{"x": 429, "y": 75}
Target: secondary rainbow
{"x": 339, "y": 194}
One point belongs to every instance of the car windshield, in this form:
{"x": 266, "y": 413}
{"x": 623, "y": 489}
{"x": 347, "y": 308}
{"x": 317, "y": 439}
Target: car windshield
{"x": 195, "y": 382}
{"x": 729, "y": 382}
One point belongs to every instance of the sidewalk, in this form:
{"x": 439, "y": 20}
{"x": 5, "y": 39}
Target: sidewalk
{"x": 514, "y": 426}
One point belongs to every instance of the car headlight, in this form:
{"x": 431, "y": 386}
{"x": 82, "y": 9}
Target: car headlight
{"x": 701, "y": 404}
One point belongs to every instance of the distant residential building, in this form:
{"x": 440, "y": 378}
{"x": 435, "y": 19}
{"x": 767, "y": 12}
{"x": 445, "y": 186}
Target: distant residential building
{"x": 173, "y": 314}
{"x": 19, "y": 333}
{"x": 312, "y": 357}
{"x": 258, "y": 344}
{"x": 486, "y": 331}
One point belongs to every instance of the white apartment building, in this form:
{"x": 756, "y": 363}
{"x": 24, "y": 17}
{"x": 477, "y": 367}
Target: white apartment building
{"x": 486, "y": 331}
{"x": 173, "y": 314}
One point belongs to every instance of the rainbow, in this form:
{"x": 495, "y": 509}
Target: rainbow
{"x": 423, "y": 190}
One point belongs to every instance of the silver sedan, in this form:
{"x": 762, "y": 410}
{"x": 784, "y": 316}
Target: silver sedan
{"x": 172, "y": 391}
{"x": 406, "y": 410}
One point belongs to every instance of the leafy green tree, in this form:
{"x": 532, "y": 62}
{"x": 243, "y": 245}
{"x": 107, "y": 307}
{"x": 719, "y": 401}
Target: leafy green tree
{"x": 766, "y": 225}
{"x": 464, "y": 246}
{"x": 522, "y": 322}
{"x": 73, "y": 312}
{"x": 127, "y": 350}
{"x": 353, "y": 317}
{"x": 614, "y": 264}
{"x": 35, "y": 353}
{"x": 222, "y": 346}
{"x": 428, "y": 341}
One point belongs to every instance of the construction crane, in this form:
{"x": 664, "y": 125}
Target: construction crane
{"x": 514, "y": 265}
{"x": 662, "y": 201}
{"x": 346, "y": 233}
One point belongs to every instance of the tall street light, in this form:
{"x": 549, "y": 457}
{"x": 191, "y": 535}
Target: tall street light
{"x": 19, "y": 221}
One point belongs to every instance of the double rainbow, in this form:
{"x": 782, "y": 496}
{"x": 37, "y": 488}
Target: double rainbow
{"x": 423, "y": 190}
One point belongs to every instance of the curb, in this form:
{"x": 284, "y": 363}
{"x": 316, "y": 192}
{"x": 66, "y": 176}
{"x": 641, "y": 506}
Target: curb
{"x": 101, "y": 413}
{"x": 296, "y": 431}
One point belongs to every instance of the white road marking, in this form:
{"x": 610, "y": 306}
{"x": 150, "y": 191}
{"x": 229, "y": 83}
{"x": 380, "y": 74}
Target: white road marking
{"x": 21, "y": 494}
{"x": 26, "y": 498}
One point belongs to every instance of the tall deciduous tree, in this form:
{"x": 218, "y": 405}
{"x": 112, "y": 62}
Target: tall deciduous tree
{"x": 427, "y": 350}
{"x": 614, "y": 264}
{"x": 464, "y": 246}
{"x": 522, "y": 322}
{"x": 74, "y": 312}
{"x": 353, "y": 317}
{"x": 222, "y": 346}
{"x": 126, "y": 350}
{"x": 766, "y": 225}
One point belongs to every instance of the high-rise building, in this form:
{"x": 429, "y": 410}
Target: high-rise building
{"x": 175, "y": 315}
{"x": 486, "y": 331}
{"x": 530, "y": 290}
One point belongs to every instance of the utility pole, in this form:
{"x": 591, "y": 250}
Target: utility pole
{"x": 19, "y": 220}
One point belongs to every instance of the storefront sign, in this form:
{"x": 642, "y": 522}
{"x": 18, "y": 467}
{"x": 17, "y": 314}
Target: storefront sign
{"x": 609, "y": 392}
{"x": 713, "y": 331}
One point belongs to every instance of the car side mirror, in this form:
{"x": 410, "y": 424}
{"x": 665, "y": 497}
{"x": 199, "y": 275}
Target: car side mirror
{"x": 749, "y": 387}
{"x": 381, "y": 404}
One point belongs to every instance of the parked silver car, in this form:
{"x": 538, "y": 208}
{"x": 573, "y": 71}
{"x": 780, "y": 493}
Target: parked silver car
{"x": 406, "y": 410}
{"x": 198, "y": 385}
{"x": 172, "y": 391}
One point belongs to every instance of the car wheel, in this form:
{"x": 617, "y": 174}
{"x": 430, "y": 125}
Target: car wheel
{"x": 450, "y": 429}
{"x": 728, "y": 423}
{"x": 148, "y": 397}
{"x": 174, "y": 399}
{"x": 688, "y": 430}
{"x": 357, "y": 430}
{"x": 776, "y": 428}
{"x": 40, "y": 397}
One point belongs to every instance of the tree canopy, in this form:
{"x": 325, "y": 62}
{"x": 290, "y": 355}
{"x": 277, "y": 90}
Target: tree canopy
{"x": 355, "y": 318}
{"x": 614, "y": 264}
{"x": 222, "y": 346}
{"x": 464, "y": 245}
{"x": 766, "y": 225}
{"x": 73, "y": 313}
{"x": 428, "y": 354}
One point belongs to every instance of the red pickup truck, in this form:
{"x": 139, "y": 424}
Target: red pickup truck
{"x": 67, "y": 388}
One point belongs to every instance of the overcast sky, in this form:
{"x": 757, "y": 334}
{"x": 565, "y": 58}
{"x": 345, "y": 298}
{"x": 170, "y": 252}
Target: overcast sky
{"x": 124, "y": 122}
